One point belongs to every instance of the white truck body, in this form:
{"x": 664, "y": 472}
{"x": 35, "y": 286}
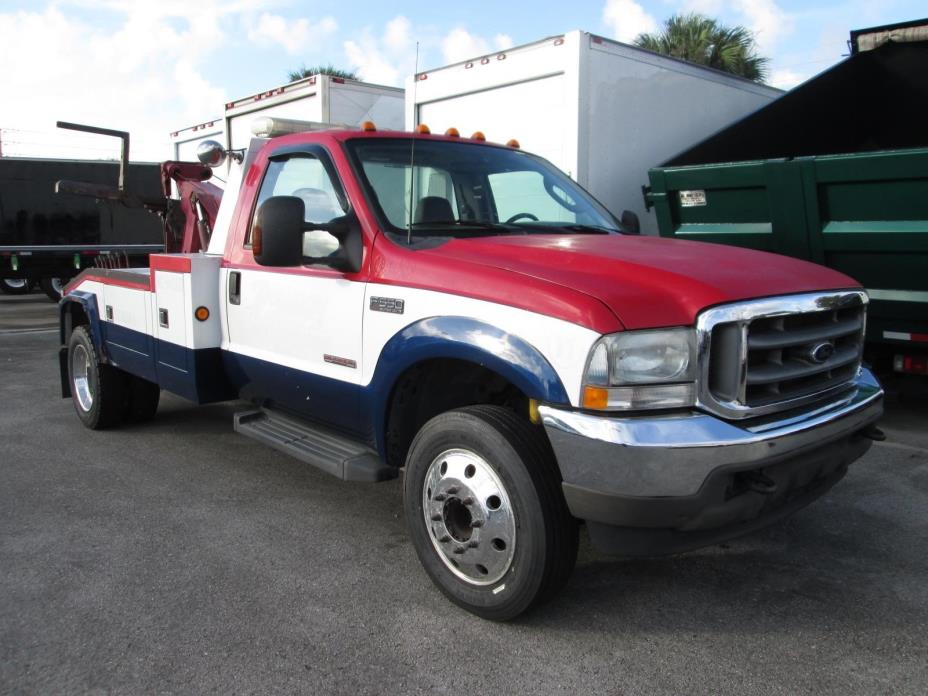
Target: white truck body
{"x": 320, "y": 98}
{"x": 602, "y": 111}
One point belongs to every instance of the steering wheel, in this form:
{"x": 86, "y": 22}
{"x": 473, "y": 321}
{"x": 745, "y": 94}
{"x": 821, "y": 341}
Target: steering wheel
{"x": 519, "y": 216}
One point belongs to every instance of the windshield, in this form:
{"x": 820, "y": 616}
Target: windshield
{"x": 465, "y": 190}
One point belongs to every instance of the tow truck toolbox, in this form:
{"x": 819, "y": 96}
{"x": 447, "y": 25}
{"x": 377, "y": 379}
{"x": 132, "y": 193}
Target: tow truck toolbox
{"x": 464, "y": 313}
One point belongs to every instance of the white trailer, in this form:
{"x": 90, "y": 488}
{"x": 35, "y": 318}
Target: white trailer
{"x": 320, "y": 98}
{"x": 184, "y": 142}
{"x": 602, "y": 111}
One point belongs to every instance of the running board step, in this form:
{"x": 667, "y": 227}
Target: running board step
{"x": 323, "y": 448}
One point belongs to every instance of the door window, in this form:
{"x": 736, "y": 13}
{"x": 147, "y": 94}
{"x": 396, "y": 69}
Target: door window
{"x": 305, "y": 177}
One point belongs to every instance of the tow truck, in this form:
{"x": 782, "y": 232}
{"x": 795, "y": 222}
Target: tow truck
{"x": 463, "y": 314}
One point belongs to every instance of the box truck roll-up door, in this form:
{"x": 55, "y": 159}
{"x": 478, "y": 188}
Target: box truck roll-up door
{"x": 532, "y": 112}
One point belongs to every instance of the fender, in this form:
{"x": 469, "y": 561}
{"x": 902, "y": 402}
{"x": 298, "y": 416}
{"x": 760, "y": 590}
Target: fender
{"x": 461, "y": 338}
{"x": 88, "y": 302}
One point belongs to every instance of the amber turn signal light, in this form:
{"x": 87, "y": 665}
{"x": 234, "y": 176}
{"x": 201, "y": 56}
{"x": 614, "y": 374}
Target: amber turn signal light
{"x": 453, "y": 133}
{"x": 595, "y": 397}
{"x": 201, "y": 313}
{"x": 423, "y": 129}
{"x": 478, "y": 136}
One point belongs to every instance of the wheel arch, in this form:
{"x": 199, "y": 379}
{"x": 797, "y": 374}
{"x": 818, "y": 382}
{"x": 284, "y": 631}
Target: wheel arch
{"x": 77, "y": 308}
{"x": 458, "y": 343}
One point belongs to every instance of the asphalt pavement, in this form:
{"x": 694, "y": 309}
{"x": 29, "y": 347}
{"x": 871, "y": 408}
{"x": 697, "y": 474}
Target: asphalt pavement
{"x": 180, "y": 557}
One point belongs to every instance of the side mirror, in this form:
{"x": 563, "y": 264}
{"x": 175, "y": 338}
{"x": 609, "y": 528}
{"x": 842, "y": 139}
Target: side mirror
{"x": 277, "y": 233}
{"x": 347, "y": 230}
{"x": 630, "y": 222}
{"x": 277, "y": 236}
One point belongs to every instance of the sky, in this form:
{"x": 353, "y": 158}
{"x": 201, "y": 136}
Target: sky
{"x": 154, "y": 66}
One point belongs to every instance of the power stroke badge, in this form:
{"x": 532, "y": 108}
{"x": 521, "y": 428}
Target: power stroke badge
{"x": 390, "y": 305}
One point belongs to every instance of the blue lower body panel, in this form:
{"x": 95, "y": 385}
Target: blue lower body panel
{"x": 196, "y": 375}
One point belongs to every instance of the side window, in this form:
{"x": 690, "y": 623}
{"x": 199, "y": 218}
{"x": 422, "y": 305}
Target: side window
{"x": 305, "y": 177}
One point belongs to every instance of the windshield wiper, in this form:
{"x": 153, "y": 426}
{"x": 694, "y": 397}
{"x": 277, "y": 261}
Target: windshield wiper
{"x": 471, "y": 225}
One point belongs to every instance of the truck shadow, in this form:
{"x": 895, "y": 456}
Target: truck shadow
{"x": 809, "y": 572}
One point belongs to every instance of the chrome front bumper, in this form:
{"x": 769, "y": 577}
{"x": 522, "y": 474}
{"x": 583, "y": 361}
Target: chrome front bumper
{"x": 616, "y": 461}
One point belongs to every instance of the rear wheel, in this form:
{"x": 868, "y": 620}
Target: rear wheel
{"x": 99, "y": 391}
{"x": 485, "y": 511}
{"x": 15, "y": 286}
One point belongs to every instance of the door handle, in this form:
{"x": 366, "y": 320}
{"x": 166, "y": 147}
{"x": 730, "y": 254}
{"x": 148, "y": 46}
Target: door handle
{"x": 235, "y": 288}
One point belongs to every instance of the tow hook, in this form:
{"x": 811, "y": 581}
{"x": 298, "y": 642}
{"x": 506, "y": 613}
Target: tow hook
{"x": 759, "y": 483}
{"x": 874, "y": 433}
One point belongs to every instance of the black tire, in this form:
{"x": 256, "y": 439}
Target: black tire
{"x": 99, "y": 391}
{"x": 53, "y": 287}
{"x": 15, "y": 286}
{"x": 143, "y": 397}
{"x": 544, "y": 549}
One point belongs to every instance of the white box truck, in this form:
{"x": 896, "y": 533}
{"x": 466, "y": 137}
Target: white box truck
{"x": 320, "y": 98}
{"x": 602, "y": 111}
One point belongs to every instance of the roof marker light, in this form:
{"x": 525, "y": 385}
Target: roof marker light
{"x": 368, "y": 126}
{"x": 513, "y": 143}
{"x": 423, "y": 129}
{"x": 478, "y": 135}
{"x": 453, "y": 132}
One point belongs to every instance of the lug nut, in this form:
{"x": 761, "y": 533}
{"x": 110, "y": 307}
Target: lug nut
{"x": 476, "y": 523}
{"x": 473, "y": 543}
{"x": 440, "y": 497}
{"x": 459, "y": 550}
{"x": 436, "y": 517}
{"x": 468, "y": 501}
{"x": 444, "y": 539}
{"x": 452, "y": 490}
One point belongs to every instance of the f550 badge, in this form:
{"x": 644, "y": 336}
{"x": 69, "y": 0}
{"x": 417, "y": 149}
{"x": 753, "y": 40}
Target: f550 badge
{"x": 391, "y": 305}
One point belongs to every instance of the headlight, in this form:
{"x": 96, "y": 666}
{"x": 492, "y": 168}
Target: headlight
{"x": 642, "y": 370}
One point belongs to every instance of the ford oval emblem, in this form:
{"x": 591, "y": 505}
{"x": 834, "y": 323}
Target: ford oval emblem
{"x": 822, "y": 351}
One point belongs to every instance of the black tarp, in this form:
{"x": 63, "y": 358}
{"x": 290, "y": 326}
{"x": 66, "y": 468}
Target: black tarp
{"x": 874, "y": 100}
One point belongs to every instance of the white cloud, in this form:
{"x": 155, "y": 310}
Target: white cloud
{"x": 785, "y": 78}
{"x": 143, "y": 75}
{"x": 767, "y": 20}
{"x": 460, "y": 45}
{"x": 397, "y": 37}
{"x": 502, "y": 41}
{"x": 626, "y": 19}
{"x": 387, "y": 59}
{"x": 294, "y": 36}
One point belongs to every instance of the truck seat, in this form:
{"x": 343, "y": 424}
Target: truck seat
{"x": 434, "y": 209}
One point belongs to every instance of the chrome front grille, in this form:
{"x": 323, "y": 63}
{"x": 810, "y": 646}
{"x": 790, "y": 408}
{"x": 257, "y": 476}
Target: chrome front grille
{"x": 763, "y": 356}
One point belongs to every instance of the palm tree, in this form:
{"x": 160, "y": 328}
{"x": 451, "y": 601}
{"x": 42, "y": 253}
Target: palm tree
{"x": 303, "y": 71}
{"x": 699, "y": 39}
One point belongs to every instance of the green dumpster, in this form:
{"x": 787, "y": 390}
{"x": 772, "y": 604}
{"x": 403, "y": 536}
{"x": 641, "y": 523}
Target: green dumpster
{"x": 835, "y": 172}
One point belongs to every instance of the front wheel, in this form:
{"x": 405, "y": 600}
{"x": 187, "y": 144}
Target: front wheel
{"x": 486, "y": 513}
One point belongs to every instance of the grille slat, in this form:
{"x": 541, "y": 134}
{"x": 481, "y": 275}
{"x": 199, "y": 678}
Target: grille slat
{"x": 767, "y": 340}
{"x": 796, "y": 369}
{"x": 769, "y": 355}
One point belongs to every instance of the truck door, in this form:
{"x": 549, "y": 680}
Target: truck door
{"x": 294, "y": 334}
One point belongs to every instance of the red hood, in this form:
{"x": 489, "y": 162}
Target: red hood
{"x": 648, "y": 281}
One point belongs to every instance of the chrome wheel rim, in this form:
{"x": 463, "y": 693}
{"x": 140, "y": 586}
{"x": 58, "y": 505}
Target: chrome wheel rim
{"x": 57, "y": 285}
{"x": 469, "y": 516}
{"x": 16, "y": 283}
{"x": 80, "y": 377}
